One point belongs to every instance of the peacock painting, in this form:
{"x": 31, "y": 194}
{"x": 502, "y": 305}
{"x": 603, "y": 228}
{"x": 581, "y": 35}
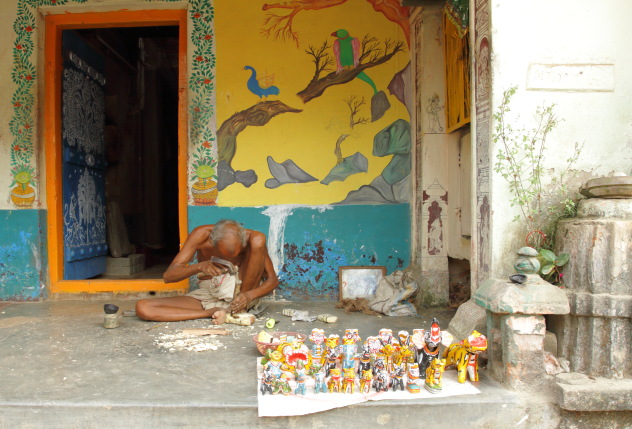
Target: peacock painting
{"x": 261, "y": 86}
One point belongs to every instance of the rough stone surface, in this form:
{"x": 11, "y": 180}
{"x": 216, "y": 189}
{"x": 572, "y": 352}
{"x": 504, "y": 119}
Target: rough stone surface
{"x": 468, "y": 317}
{"x": 604, "y": 208}
{"x": 598, "y": 394}
{"x": 533, "y": 297}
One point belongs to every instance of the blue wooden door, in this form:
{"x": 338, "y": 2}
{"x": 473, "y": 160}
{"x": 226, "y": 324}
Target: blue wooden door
{"x": 83, "y": 163}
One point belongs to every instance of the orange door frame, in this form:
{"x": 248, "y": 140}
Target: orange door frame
{"x": 54, "y": 24}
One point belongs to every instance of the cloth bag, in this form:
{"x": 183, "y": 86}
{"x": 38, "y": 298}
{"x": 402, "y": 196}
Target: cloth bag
{"x": 392, "y": 294}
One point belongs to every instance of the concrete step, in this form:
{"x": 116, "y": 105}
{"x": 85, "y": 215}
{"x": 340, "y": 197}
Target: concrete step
{"x": 60, "y": 368}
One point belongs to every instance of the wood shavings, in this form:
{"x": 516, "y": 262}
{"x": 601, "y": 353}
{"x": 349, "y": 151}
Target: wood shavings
{"x": 191, "y": 343}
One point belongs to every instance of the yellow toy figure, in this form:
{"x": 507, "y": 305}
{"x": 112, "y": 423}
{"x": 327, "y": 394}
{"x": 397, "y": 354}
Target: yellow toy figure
{"x": 332, "y": 357}
{"x": 366, "y": 380}
{"x": 293, "y": 352}
{"x": 334, "y": 383}
{"x": 434, "y": 375}
{"x": 464, "y": 356}
{"x": 348, "y": 383}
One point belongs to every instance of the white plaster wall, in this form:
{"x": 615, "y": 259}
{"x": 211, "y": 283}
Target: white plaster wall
{"x": 7, "y": 35}
{"x": 597, "y": 111}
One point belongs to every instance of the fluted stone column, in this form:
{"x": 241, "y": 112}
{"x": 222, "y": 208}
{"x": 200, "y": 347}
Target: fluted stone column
{"x": 596, "y": 337}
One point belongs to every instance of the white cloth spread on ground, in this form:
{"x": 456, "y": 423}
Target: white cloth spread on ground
{"x": 298, "y": 405}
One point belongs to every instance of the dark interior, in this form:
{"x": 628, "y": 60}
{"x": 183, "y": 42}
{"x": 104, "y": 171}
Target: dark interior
{"x": 141, "y": 137}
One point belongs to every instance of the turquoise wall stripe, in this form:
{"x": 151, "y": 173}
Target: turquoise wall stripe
{"x": 317, "y": 240}
{"x": 22, "y": 254}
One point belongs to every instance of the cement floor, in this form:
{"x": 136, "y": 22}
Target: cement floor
{"x": 60, "y": 368}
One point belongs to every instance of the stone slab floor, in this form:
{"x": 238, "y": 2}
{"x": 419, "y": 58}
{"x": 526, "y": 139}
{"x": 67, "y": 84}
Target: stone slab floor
{"x": 59, "y": 368}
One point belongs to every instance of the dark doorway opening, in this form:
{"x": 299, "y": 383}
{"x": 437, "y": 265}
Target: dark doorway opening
{"x": 141, "y": 147}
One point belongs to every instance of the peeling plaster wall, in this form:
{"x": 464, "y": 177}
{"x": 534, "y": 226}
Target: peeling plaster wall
{"x": 22, "y": 252}
{"x": 574, "y": 54}
{"x": 309, "y": 243}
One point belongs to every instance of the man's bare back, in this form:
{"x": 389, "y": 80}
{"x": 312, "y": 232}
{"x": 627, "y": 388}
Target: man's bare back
{"x": 226, "y": 240}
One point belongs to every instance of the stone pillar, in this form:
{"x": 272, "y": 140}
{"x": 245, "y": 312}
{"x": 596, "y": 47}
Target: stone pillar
{"x": 516, "y": 325}
{"x": 596, "y": 337}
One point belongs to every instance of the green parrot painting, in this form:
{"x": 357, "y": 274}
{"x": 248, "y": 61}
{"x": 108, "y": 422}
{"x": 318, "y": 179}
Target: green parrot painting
{"x": 347, "y": 54}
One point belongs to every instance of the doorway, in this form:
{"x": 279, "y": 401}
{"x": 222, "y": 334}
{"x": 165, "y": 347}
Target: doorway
{"x": 144, "y": 136}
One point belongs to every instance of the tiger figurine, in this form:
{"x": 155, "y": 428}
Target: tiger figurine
{"x": 464, "y": 356}
{"x": 348, "y": 381}
{"x": 434, "y": 375}
{"x": 335, "y": 381}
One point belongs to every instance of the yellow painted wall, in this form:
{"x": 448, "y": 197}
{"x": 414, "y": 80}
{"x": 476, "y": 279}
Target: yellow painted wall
{"x": 309, "y": 137}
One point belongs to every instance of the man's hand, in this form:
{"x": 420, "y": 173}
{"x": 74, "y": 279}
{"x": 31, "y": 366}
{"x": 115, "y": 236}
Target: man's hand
{"x": 240, "y": 303}
{"x": 209, "y": 269}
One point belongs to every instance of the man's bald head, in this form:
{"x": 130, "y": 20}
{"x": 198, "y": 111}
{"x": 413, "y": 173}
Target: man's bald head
{"x": 228, "y": 237}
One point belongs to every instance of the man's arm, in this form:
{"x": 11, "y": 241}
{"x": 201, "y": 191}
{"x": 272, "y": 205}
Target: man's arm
{"x": 180, "y": 268}
{"x": 259, "y": 268}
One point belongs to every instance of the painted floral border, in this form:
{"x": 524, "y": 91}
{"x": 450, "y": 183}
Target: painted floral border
{"x": 24, "y": 76}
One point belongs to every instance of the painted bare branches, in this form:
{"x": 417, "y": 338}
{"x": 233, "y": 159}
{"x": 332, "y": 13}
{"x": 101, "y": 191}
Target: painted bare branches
{"x": 372, "y": 54}
{"x": 257, "y": 115}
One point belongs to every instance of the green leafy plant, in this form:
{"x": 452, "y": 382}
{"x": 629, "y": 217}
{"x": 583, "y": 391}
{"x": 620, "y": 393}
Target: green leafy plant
{"x": 543, "y": 198}
{"x": 550, "y": 265}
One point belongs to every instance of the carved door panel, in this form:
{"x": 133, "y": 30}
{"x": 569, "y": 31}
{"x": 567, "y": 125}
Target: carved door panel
{"x": 83, "y": 159}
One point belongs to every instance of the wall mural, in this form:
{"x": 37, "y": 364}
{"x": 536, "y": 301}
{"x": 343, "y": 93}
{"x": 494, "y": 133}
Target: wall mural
{"x": 203, "y": 163}
{"x": 340, "y": 59}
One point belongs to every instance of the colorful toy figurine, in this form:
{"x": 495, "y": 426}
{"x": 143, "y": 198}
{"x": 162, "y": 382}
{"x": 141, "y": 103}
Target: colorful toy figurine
{"x": 335, "y": 380}
{"x": 282, "y": 385}
{"x": 380, "y": 381}
{"x": 319, "y": 381}
{"x": 434, "y": 375}
{"x": 348, "y": 382}
{"x": 464, "y": 356}
{"x": 332, "y": 353}
{"x": 274, "y": 364}
{"x": 413, "y": 378}
{"x": 386, "y": 336}
{"x": 349, "y": 349}
{"x": 427, "y": 345}
{"x": 397, "y": 376}
{"x": 293, "y": 352}
{"x": 373, "y": 344}
{"x": 406, "y": 348}
{"x": 378, "y": 364}
{"x": 365, "y": 360}
{"x": 267, "y": 380}
{"x": 366, "y": 380}
{"x": 318, "y": 349}
{"x": 300, "y": 375}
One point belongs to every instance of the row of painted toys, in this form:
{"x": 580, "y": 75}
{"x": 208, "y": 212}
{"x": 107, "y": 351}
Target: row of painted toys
{"x": 383, "y": 362}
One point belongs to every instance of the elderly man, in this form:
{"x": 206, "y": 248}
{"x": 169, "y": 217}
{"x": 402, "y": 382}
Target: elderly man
{"x": 226, "y": 240}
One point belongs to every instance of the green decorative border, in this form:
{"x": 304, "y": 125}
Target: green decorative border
{"x": 24, "y": 76}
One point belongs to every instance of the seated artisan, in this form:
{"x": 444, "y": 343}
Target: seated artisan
{"x": 226, "y": 240}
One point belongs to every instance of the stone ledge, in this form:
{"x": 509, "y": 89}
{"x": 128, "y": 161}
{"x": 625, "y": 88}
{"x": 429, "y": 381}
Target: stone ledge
{"x": 533, "y": 297}
{"x": 578, "y": 392}
{"x": 600, "y": 305}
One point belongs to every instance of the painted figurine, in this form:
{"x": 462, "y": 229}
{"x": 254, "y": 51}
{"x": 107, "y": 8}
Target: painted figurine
{"x": 412, "y": 382}
{"x": 318, "y": 349}
{"x": 293, "y": 352}
{"x": 274, "y": 364}
{"x": 427, "y": 345}
{"x": 397, "y": 376}
{"x": 300, "y": 375}
{"x": 366, "y": 380}
{"x": 365, "y": 360}
{"x": 267, "y": 380}
{"x": 348, "y": 382}
{"x": 380, "y": 381}
{"x": 434, "y": 375}
{"x": 464, "y": 356}
{"x": 349, "y": 349}
{"x": 319, "y": 381}
{"x": 332, "y": 353}
{"x": 335, "y": 380}
{"x": 406, "y": 346}
{"x": 374, "y": 346}
{"x": 282, "y": 385}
